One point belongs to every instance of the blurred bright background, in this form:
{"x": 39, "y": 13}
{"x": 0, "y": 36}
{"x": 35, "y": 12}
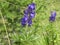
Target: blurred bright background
{"x": 41, "y": 32}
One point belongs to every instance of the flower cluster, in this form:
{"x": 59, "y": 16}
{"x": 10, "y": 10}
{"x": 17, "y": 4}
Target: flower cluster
{"x": 53, "y": 16}
{"x": 29, "y": 14}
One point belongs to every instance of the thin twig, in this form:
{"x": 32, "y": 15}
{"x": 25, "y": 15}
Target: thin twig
{"x": 5, "y": 27}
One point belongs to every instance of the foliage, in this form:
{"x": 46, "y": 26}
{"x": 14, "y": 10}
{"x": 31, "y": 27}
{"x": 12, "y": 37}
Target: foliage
{"x": 42, "y": 32}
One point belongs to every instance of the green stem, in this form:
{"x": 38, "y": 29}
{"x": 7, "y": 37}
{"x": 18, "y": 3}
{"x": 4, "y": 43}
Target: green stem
{"x": 5, "y": 27}
{"x": 52, "y": 31}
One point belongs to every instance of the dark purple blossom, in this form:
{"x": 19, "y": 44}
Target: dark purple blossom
{"x": 23, "y": 21}
{"x": 32, "y": 14}
{"x": 31, "y": 6}
{"x": 26, "y": 17}
{"x": 29, "y": 13}
{"x": 29, "y": 22}
{"x": 53, "y": 16}
{"x": 26, "y": 11}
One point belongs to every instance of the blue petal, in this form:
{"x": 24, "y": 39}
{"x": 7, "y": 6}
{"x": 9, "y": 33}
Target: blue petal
{"x": 30, "y": 22}
{"x": 52, "y": 19}
{"x": 32, "y": 6}
{"x": 26, "y": 11}
{"x": 53, "y": 16}
{"x": 26, "y": 17}
{"x": 23, "y": 21}
{"x": 53, "y": 13}
{"x": 32, "y": 14}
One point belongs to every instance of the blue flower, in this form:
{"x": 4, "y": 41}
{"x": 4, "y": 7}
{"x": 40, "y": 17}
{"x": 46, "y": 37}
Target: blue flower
{"x": 52, "y": 19}
{"x": 23, "y": 21}
{"x": 26, "y": 11}
{"x": 53, "y": 16}
{"x": 26, "y": 17}
{"x": 29, "y": 22}
{"x": 29, "y": 13}
{"x": 31, "y": 6}
{"x": 32, "y": 14}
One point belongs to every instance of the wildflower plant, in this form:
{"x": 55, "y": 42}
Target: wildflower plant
{"x": 53, "y": 16}
{"x": 29, "y": 14}
{"x": 51, "y": 35}
{"x": 17, "y": 15}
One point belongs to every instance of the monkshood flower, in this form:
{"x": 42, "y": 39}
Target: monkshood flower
{"x": 53, "y": 16}
{"x": 29, "y": 13}
{"x": 29, "y": 22}
{"x": 26, "y": 11}
{"x": 32, "y": 14}
{"x": 23, "y": 21}
{"x": 31, "y": 6}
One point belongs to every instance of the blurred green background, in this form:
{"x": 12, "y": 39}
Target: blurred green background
{"x": 42, "y": 32}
